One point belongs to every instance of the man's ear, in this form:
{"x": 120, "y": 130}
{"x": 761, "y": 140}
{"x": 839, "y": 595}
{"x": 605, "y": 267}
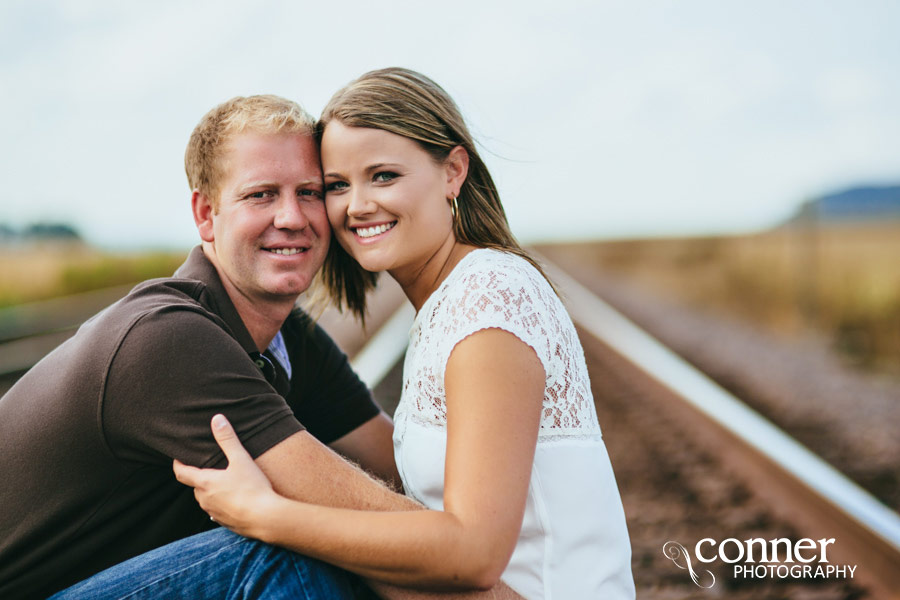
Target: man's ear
{"x": 457, "y": 165}
{"x": 203, "y": 215}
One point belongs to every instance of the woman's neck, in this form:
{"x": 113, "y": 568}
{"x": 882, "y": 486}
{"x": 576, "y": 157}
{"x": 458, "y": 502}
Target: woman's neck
{"x": 420, "y": 281}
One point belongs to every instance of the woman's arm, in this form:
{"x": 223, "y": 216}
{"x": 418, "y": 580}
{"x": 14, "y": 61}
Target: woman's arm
{"x": 494, "y": 384}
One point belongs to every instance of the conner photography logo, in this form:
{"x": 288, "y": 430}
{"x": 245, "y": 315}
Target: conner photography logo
{"x": 757, "y": 558}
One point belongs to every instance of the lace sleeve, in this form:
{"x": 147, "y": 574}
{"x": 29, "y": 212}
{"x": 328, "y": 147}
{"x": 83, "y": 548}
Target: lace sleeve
{"x": 494, "y": 298}
{"x": 499, "y": 290}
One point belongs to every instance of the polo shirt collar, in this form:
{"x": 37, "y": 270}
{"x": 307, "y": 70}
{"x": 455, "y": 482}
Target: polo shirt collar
{"x": 198, "y": 266}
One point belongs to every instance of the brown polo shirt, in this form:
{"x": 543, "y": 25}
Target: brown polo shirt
{"x": 88, "y": 435}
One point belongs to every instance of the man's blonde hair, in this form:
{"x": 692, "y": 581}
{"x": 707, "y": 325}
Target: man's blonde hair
{"x": 209, "y": 140}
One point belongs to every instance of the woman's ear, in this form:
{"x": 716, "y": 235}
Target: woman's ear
{"x": 457, "y": 165}
{"x": 203, "y": 215}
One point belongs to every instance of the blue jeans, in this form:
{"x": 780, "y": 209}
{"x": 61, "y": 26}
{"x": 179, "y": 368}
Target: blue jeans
{"x": 217, "y": 564}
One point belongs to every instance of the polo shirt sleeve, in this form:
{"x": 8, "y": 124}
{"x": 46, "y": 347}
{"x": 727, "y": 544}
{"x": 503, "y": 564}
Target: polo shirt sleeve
{"x": 326, "y": 394}
{"x": 174, "y": 370}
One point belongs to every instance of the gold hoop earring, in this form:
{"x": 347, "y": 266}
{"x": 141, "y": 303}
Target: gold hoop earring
{"x": 454, "y": 207}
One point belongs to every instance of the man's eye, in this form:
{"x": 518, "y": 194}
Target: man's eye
{"x": 260, "y": 195}
{"x": 310, "y": 193}
{"x": 384, "y": 176}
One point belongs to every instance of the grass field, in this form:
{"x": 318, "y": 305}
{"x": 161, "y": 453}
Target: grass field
{"x": 843, "y": 281}
{"x": 47, "y": 270}
{"x": 840, "y": 280}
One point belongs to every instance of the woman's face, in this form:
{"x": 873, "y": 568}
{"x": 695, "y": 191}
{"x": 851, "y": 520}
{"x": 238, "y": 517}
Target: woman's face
{"x": 386, "y": 197}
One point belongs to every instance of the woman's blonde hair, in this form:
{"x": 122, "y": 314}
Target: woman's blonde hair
{"x": 410, "y": 104}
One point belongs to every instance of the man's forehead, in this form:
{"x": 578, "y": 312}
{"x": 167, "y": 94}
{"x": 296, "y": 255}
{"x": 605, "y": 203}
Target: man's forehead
{"x": 261, "y": 151}
{"x": 275, "y": 141}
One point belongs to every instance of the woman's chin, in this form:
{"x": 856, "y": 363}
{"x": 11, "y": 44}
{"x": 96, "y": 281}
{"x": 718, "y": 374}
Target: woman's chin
{"x": 370, "y": 264}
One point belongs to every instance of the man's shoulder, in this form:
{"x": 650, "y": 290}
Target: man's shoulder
{"x": 181, "y": 306}
{"x": 152, "y": 296}
{"x": 168, "y": 304}
{"x": 140, "y": 331}
{"x": 166, "y": 290}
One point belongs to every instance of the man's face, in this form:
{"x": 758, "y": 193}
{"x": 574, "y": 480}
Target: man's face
{"x": 270, "y": 233}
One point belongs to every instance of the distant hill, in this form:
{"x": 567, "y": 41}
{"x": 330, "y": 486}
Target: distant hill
{"x": 39, "y": 232}
{"x": 869, "y": 203}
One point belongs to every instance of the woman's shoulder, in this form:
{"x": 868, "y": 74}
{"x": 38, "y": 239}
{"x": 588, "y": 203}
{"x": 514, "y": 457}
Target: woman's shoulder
{"x": 500, "y": 266}
{"x": 488, "y": 277}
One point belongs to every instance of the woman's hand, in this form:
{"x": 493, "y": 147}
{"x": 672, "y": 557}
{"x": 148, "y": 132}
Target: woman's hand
{"x": 236, "y": 497}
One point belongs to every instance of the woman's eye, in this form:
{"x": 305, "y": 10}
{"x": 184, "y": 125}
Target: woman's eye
{"x": 335, "y": 186}
{"x": 384, "y": 176}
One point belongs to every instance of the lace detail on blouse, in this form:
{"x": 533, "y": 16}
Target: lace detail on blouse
{"x": 494, "y": 289}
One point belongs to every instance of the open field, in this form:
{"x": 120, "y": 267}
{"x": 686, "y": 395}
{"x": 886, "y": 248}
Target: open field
{"x": 47, "y": 270}
{"x": 840, "y": 281}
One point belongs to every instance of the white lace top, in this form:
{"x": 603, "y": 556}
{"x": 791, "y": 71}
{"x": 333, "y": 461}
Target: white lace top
{"x": 573, "y": 542}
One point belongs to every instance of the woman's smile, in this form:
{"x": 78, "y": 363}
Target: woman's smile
{"x": 371, "y": 233}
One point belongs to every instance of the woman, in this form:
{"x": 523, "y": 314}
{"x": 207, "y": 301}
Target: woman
{"x": 496, "y": 431}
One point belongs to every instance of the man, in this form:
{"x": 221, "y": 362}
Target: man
{"x": 87, "y": 437}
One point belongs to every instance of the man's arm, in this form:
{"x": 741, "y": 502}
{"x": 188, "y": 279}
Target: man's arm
{"x": 302, "y": 468}
{"x": 371, "y": 446}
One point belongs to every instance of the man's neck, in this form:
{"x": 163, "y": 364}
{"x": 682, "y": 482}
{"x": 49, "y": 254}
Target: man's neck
{"x": 262, "y": 318}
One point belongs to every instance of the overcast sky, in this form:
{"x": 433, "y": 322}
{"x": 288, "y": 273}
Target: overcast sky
{"x": 598, "y": 119}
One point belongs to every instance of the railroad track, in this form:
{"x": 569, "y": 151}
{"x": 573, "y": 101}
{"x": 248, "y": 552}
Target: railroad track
{"x": 738, "y": 477}
{"x": 693, "y": 465}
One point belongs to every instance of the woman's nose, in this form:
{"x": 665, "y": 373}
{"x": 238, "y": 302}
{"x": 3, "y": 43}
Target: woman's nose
{"x": 360, "y": 204}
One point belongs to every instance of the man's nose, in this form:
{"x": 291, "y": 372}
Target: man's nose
{"x": 290, "y": 214}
